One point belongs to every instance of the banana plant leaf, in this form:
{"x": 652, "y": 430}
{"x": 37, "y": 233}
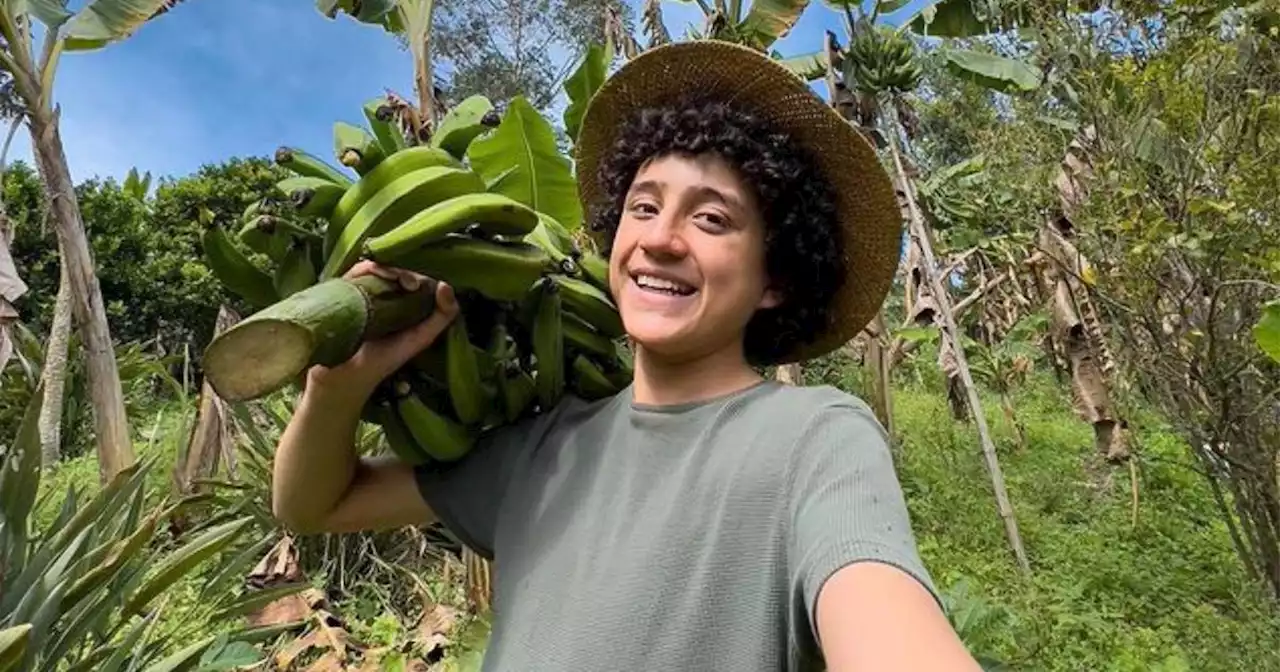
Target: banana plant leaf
{"x": 52, "y": 13}
{"x": 808, "y": 66}
{"x": 376, "y": 12}
{"x": 583, "y": 83}
{"x": 520, "y": 159}
{"x": 98, "y": 23}
{"x": 998, "y": 73}
{"x": 948, "y": 18}
{"x": 769, "y": 20}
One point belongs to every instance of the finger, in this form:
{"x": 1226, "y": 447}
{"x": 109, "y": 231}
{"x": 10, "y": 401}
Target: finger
{"x": 369, "y": 267}
{"x": 408, "y": 343}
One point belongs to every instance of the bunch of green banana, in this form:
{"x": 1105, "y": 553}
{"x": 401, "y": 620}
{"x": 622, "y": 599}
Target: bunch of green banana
{"x": 537, "y": 317}
{"x": 881, "y": 59}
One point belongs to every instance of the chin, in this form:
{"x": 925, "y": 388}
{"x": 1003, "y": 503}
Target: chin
{"x": 659, "y": 338}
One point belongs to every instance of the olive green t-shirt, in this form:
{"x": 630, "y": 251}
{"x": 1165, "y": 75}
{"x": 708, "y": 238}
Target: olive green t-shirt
{"x": 627, "y": 537}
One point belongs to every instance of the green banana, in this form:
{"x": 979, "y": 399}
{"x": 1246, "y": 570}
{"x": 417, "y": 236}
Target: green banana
{"x": 588, "y": 302}
{"x": 589, "y": 381}
{"x": 551, "y": 236}
{"x": 462, "y": 124}
{"x": 311, "y": 196}
{"x": 383, "y": 122}
{"x": 517, "y": 390}
{"x": 394, "y": 166}
{"x": 548, "y": 344}
{"x": 395, "y": 203}
{"x": 396, "y": 433}
{"x": 437, "y": 435}
{"x": 462, "y": 374}
{"x": 596, "y": 270}
{"x": 583, "y": 337}
{"x": 295, "y": 272}
{"x": 356, "y": 148}
{"x": 234, "y": 269}
{"x": 499, "y": 271}
{"x": 494, "y": 213}
{"x": 309, "y": 165}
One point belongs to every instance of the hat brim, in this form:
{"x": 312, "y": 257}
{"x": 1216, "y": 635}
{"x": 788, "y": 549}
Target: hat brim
{"x": 868, "y": 212}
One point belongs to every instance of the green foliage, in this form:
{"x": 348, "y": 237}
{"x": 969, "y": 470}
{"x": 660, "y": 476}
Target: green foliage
{"x": 158, "y": 286}
{"x": 1106, "y": 593}
{"x": 582, "y": 85}
{"x": 80, "y": 582}
{"x": 1267, "y": 331}
{"x": 521, "y": 159}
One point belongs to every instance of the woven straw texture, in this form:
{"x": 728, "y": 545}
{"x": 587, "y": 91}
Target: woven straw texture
{"x": 869, "y": 212}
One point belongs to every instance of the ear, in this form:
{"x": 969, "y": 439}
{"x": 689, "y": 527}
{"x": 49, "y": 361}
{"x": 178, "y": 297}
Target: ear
{"x": 771, "y": 298}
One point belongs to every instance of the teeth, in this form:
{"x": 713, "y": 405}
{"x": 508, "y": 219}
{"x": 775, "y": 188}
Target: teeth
{"x": 650, "y": 282}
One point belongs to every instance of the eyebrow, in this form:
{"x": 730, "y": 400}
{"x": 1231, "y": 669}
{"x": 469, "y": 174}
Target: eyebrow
{"x": 704, "y": 191}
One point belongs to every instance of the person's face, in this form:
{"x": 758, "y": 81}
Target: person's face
{"x": 687, "y": 268}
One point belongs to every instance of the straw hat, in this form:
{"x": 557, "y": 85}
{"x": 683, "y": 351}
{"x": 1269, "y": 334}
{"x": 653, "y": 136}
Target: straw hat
{"x": 867, "y": 209}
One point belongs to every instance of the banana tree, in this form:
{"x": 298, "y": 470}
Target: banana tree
{"x": 33, "y": 66}
{"x": 411, "y": 21}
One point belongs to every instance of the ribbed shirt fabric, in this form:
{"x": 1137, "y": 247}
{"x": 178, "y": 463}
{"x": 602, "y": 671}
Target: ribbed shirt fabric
{"x": 690, "y": 537}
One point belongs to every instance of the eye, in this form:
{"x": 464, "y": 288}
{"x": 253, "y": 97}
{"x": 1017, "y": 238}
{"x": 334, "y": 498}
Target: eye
{"x": 713, "y": 220}
{"x": 641, "y": 207}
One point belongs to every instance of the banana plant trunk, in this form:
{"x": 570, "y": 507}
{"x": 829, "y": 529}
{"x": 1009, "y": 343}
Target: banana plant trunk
{"x": 54, "y": 372}
{"x": 950, "y": 332}
{"x": 115, "y": 452}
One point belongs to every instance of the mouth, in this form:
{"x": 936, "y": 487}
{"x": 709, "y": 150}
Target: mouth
{"x": 664, "y": 285}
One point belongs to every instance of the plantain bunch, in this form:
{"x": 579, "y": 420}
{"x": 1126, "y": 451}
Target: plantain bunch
{"x": 882, "y": 59}
{"x": 536, "y": 321}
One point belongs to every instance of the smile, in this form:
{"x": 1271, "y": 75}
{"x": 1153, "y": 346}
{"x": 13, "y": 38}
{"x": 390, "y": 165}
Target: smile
{"x": 651, "y": 283}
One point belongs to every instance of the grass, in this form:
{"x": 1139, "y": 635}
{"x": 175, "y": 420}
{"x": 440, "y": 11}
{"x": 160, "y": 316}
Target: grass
{"x": 1106, "y": 593}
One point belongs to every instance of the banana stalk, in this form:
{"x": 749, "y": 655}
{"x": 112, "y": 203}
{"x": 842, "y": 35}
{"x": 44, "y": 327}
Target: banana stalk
{"x": 323, "y": 324}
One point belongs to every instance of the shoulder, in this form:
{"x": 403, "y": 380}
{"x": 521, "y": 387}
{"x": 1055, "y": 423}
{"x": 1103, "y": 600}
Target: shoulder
{"x": 818, "y": 412}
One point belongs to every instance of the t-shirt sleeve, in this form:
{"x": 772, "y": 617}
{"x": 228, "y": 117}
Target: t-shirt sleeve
{"x": 466, "y": 495}
{"x": 846, "y": 506}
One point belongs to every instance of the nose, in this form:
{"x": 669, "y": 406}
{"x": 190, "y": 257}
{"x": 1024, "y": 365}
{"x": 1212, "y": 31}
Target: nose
{"x": 663, "y": 236}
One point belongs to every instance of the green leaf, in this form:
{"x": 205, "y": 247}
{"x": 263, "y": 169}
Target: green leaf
{"x": 994, "y": 72}
{"x": 184, "y": 658}
{"x": 233, "y": 656}
{"x": 917, "y": 334}
{"x": 948, "y": 18}
{"x": 520, "y": 159}
{"x": 102, "y": 22}
{"x": 1267, "y": 331}
{"x": 21, "y": 478}
{"x": 769, "y": 20}
{"x": 13, "y": 646}
{"x": 461, "y": 125}
{"x": 582, "y": 85}
{"x": 256, "y": 599}
{"x": 184, "y": 560}
{"x": 807, "y": 67}
{"x": 52, "y": 13}
{"x": 890, "y": 6}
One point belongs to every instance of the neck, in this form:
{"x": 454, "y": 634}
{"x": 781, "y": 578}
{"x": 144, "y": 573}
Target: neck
{"x": 662, "y": 381}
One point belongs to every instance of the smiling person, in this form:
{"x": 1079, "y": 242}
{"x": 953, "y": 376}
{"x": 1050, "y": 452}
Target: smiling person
{"x": 703, "y": 518}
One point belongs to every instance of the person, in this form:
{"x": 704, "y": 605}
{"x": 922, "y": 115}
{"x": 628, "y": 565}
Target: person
{"x": 704, "y": 518}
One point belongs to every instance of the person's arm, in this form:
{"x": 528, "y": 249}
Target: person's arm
{"x": 874, "y": 616}
{"x": 319, "y": 483}
{"x": 870, "y": 602}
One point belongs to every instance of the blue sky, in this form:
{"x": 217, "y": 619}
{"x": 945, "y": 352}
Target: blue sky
{"x": 221, "y": 78}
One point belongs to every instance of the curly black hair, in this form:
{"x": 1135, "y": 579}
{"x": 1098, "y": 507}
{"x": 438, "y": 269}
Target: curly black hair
{"x": 804, "y": 256}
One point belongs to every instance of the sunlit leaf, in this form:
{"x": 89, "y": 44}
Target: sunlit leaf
{"x": 769, "y": 20}
{"x": 582, "y": 85}
{"x": 994, "y": 72}
{"x": 52, "y": 13}
{"x": 1267, "y": 331}
{"x": 13, "y": 646}
{"x": 520, "y": 159}
{"x": 808, "y": 66}
{"x": 948, "y": 18}
{"x": 102, "y": 22}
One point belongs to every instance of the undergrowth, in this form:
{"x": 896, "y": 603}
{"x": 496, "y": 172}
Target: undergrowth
{"x": 1162, "y": 590}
